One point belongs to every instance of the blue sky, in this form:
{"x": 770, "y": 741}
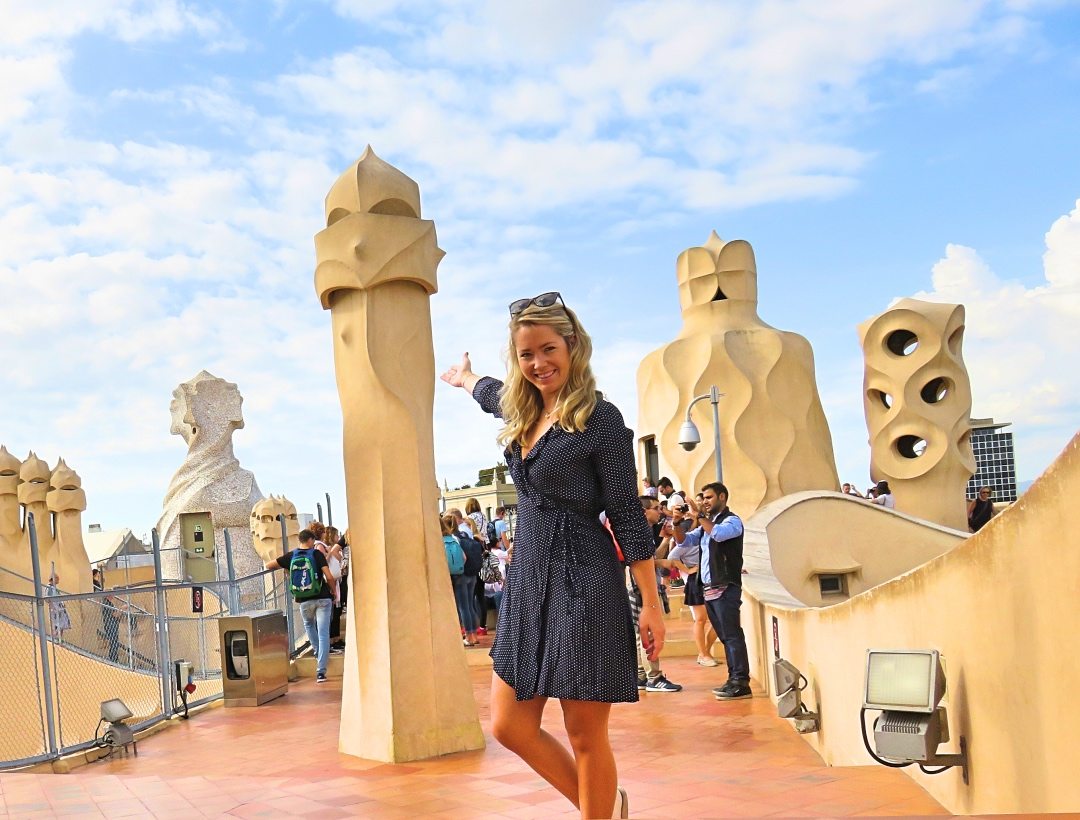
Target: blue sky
{"x": 163, "y": 164}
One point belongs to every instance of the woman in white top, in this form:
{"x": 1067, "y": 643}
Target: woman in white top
{"x": 472, "y": 509}
{"x": 884, "y": 496}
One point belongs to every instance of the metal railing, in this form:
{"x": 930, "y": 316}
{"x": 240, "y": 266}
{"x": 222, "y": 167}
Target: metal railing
{"x": 65, "y": 653}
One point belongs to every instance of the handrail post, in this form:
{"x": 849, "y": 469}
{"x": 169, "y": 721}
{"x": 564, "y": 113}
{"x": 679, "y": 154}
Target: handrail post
{"x": 288, "y": 604}
{"x": 329, "y": 514}
{"x": 234, "y": 592}
{"x": 43, "y": 640}
{"x": 162, "y": 626}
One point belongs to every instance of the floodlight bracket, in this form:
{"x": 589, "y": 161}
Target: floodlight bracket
{"x": 943, "y": 761}
{"x": 806, "y": 722}
{"x": 949, "y": 761}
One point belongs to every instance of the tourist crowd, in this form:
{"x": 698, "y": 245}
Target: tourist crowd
{"x": 698, "y": 547}
{"x": 477, "y": 554}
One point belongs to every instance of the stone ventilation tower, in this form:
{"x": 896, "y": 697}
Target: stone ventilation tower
{"x": 774, "y": 436}
{"x": 917, "y": 398}
{"x": 66, "y": 501}
{"x": 57, "y": 500}
{"x": 266, "y": 529}
{"x": 406, "y": 693}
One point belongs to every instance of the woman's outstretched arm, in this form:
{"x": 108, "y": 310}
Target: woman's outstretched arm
{"x": 461, "y": 375}
{"x": 482, "y": 388}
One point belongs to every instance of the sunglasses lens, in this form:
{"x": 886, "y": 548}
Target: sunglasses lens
{"x": 518, "y": 306}
{"x": 546, "y": 299}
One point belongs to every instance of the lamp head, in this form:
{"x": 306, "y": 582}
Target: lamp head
{"x": 905, "y": 680}
{"x": 114, "y": 711}
{"x": 785, "y": 675}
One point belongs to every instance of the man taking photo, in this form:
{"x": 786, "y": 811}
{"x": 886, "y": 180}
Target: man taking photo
{"x": 720, "y": 534}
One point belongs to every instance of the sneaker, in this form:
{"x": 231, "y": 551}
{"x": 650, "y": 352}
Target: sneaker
{"x": 334, "y": 650}
{"x": 707, "y": 661}
{"x": 642, "y": 682}
{"x": 716, "y": 692}
{"x": 320, "y": 677}
{"x": 737, "y": 691}
{"x": 662, "y": 684}
{"x": 481, "y": 631}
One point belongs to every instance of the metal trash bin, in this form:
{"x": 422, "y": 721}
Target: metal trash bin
{"x": 254, "y": 657}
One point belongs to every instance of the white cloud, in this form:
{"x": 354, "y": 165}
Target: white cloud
{"x": 706, "y": 105}
{"x": 132, "y": 262}
{"x": 27, "y": 24}
{"x": 1020, "y": 340}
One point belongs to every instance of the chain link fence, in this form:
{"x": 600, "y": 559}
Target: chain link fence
{"x": 64, "y": 654}
{"x": 108, "y": 650}
{"x": 22, "y": 709}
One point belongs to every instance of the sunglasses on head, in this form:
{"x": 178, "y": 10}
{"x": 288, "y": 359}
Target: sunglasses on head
{"x": 543, "y": 300}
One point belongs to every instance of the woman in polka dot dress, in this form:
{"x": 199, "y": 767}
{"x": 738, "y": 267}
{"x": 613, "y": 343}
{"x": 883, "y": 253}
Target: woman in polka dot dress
{"x": 564, "y": 627}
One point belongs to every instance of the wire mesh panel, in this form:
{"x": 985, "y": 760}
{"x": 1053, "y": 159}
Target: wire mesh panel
{"x": 22, "y": 708}
{"x": 193, "y": 636}
{"x": 106, "y": 645}
{"x": 109, "y": 650}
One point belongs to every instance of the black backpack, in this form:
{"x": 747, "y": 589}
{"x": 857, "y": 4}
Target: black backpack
{"x": 492, "y": 535}
{"x": 474, "y": 553}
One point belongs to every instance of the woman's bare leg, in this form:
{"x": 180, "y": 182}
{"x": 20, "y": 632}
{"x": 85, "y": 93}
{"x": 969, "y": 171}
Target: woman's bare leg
{"x": 587, "y": 727}
{"x": 516, "y": 725}
{"x": 704, "y": 636}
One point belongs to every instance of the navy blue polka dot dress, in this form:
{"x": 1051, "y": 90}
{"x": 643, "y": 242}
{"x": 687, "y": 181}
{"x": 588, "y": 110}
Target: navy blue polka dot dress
{"x": 564, "y": 627}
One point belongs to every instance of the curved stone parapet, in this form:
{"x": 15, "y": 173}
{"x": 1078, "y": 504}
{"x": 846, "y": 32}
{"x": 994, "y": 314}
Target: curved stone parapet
{"x": 794, "y": 544}
{"x": 1004, "y": 623}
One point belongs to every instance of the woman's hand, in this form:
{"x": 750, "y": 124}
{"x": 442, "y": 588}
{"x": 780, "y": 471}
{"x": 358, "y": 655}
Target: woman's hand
{"x": 456, "y": 375}
{"x": 651, "y": 626}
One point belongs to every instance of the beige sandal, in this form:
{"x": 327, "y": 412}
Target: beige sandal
{"x": 622, "y": 804}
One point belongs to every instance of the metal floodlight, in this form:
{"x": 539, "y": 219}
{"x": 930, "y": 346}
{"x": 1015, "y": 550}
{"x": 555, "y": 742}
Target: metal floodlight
{"x": 904, "y": 680}
{"x": 114, "y": 711}
{"x": 789, "y": 703}
{"x": 689, "y": 437}
{"x": 117, "y": 734}
{"x": 785, "y": 675}
{"x": 907, "y": 686}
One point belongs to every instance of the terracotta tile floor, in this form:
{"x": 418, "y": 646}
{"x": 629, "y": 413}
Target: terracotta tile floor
{"x": 680, "y": 755}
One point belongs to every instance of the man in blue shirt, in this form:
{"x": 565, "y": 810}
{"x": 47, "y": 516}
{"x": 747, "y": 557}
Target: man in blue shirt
{"x": 502, "y": 529}
{"x": 720, "y": 534}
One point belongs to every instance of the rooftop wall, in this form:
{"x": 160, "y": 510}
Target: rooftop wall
{"x": 1003, "y": 609}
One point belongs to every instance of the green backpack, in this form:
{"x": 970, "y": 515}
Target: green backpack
{"x": 305, "y": 580}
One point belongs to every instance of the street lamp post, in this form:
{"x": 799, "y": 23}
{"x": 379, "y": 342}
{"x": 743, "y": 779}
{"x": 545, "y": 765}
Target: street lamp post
{"x": 689, "y": 437}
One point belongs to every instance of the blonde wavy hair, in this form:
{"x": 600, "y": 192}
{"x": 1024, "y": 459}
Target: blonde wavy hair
{"x": 520, "y": 401}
